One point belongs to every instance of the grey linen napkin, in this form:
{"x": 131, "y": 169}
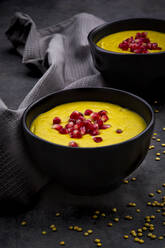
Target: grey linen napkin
{"x": 61, "y": 53}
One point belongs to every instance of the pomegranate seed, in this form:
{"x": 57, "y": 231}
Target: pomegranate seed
{"x": 94, "y": 116}
{"x": 63, "y": 131}
{"x": 57, "y": 126}
{"x": 81, "y": 118}
{"x": 76, "y": 134}
{"x": 73, "y": 144}
{"x": 95, "y": 126}
{"x": 94, "y": 132}
{"x": 100, "y": 123}
{"x": 69, "y": 125}
{"x": 79, "y": 123}
{"x": 75, "y": 115}
{"x": 104, "y": 118}
{"x": 83, "y": 130}
{"x": 119, "y": 131}
{"x": 72, "y": 120}
{"x": 105, "y": 126}
{"x": 88, "y": 112}
{"x": 140, "y": 44}
{"x": 97, "y": 139}
{"x": 76, "y": 126}
{"x": 70, "y": 130}
{"x": 102, "y": 112}
{"x": 88, "y": 125}
{"x": 56, "y": 120}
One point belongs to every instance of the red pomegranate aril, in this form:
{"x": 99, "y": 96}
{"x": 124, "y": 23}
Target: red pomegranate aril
{"x": 97, "y": 139}
{"x": 95, "y": 116}
{"x": 70, "y": 130}
{"x": 56, "y": 120}
{"x": 76, "y": 126}
{"x": 83, "y": 130}
{"x": 104, "y": 118}
{"x": 63, "y": 131}
{"x": 137, "y": 51}
{"x": 88, "y": 125}
{"x": 94, "y": 132}
{"x": 79, "y": 122}
{"x": 76, "y": 134}
{"x": 105, "y": 126}
{"x": 73, "y": 144}
{"x": 119, "y": 131}
{"x": 57, "y": 127}
{"x": 75, "y": 115}
{"x": 88, "y": 112}
{"x": 69, "y": 125}
{"x": 100, "y": 123}
{"x": 81, "y": 118}
{"x": 102, "y": 112}
{"x": 154, "y": 46}
{"x": 95, "y": 126}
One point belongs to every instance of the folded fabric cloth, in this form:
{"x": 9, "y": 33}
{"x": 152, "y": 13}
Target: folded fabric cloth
{"x": 61, "y": 52}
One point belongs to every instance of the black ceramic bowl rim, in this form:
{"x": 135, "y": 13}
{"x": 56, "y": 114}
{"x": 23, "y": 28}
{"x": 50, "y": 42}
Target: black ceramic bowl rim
{"x": 100, "y": 27}
{"x": 88, "y": 148}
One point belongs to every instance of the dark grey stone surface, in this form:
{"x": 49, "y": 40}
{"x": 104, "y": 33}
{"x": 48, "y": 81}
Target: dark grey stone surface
{"x": 15, "y": 82}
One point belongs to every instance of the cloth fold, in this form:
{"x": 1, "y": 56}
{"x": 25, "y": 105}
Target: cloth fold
{"x": 61, "y": 52}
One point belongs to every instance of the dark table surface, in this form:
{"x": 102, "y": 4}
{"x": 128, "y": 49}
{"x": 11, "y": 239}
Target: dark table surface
{"x": 15, "y": 82}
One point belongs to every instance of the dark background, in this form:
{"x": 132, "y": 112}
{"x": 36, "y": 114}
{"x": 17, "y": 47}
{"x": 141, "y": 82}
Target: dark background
{"x": 15, "y": 82}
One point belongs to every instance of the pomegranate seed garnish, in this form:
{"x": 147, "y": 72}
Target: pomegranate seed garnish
{"x": 63, "y": 130}
{"x": 119, "y": 131}
{"x": 81, "y": 118}
{"x": 95, "y": 126}
{"x": 94, "y": 132}
{"x": 88, "y": 112}
{"x": 105, "y": 126}
{"x": 140, "y": 44}
{"x": 56, "y": 120}
{"x": 73, "y": 144}
{"x": 104, "y": 118}
{"x": 97, "y": 139}
{"x": 79, "y": 123}
{"x": 57, "y": 126}
{"x": 78, "y": 126}
{"x": 69, "y": 125}
{"x": 75, "y": 115}
{"x": 94, "y": 116}
{"x": 88, "y": 125}
{"x": 83, "y": 130}
{"x": 76, "y": 134}
{"x": 70, "y": 130}
{"x": 100, "y": 123}
{"x": 102, "y": 112}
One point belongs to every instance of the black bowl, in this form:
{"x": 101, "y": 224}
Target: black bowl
{"x": 89, "y": 170}
{"x": 134, "y": 72}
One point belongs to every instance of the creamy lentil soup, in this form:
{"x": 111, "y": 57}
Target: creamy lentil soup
{"x": 155, "y": 41}
{"x": 88, "y": 124}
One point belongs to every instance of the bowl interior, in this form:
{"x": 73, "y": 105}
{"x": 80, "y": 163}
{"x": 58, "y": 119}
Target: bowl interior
{"x": 119, "y": 97}
{"x": 129, "y": 24}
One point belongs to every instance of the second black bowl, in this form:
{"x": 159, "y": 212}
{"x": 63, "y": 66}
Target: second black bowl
{"x": 140, "y": 73}
{"x": 89, "y": 170}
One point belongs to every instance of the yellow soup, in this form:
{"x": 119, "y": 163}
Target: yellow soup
{"x": 119, "y": 118}
{"x": 112, "y": 41}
